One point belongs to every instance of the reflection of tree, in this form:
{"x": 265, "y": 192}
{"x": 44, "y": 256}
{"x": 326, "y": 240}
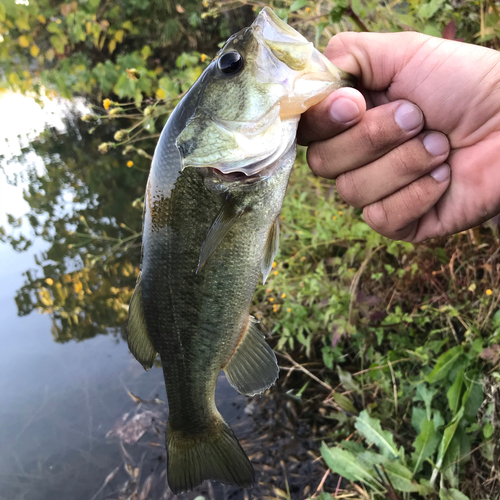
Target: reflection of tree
{"x": 83, "y": 205}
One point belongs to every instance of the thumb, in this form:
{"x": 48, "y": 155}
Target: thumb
{"x": 374, "y": 58}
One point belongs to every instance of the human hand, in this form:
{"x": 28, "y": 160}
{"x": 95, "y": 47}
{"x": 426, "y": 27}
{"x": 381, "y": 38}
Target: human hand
{"x": 392, "y": 160}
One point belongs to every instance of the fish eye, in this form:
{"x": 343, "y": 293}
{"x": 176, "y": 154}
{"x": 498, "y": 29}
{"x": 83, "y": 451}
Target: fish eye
{"x": 230, "y": 63}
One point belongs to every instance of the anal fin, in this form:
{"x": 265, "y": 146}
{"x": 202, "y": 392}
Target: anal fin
{"x": 253, "y": 367}
{"x": 138, "y": 339}
{"x": 270, "y": 250}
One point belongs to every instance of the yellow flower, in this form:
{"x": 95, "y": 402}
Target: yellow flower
{"x": 340, "y": 212}
{"x": 274, "y": 265}
{"x": 130, "y": 163}
{"x": 23, "y": 41}
{"x": 49, "y": 281}
{"x": 316, "y": 212}
{"x": 289, "y": 310}
{"x": 275, "y": 273}
{"x": 308, "y": 9}
{"x": 161, "y": 94}
{"x": 203, "y": 57}
{"x": 334, "y": 217}
{"x": 276, "y": 307}
{"x": 106, "y": 103}
{"x": 271, "y": 299}
{"x": 283, "y": 295}
{"x": 489, "y": 292}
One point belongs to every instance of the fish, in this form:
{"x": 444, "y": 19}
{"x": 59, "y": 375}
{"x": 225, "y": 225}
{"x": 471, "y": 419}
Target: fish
{"x": 211, "y": 231}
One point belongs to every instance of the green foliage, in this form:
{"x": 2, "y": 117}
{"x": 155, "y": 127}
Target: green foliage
{"x": 87, "y": 47}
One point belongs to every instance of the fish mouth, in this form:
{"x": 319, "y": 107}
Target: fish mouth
{"x": 233, "y": 176}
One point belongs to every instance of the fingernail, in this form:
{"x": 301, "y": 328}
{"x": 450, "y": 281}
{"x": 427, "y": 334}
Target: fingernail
{"x": 436, "y": 144}
{"x": 344, "y": 110}
{"x": 408, "y": 116}
{"x": 441, "y": 173}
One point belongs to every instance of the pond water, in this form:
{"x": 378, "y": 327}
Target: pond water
{"x": 79, "y": 417}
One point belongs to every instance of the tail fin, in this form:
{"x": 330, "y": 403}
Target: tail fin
{"x": 215, "y": 455}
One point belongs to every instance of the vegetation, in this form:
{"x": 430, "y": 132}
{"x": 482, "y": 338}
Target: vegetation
{"x": 404, "y": 338}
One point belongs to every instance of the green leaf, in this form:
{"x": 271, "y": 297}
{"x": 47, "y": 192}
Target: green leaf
{"x": 298, "y": 4}
{"x": 448, "y": 434}
{"x": 425, "y": 444}
{"x": 58, "y": 43}
{"x": 347, "y": 381}
{"x": 452, "y": 494}
{"x": 371, "y": 430}
{"x": 425, "y": 394}
{"x": 488, "y": 430}
{"x": 338, "y": 11}
{"x": 428, "y": 9}
{"x": 454, "y": 392}
{"x": 401, "y": 477}
{"x": 345, "y": 403}
{"x": 345, "y": 464}
{"x": 444, "y": 364}
{"x": 418, "y": 415}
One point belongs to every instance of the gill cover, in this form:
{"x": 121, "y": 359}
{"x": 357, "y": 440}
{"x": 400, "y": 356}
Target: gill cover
{"x": 253, "y": 94}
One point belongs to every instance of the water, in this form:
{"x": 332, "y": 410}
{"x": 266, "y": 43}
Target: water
{"x": 69, "y": 261}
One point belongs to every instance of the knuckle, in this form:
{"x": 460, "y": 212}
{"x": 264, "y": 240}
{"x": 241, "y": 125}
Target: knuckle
{"x": 377, "y": 217}
{"x": 347, "y": 189}
{"x": 373, "y": 135}
{"x": 411, "y": 197}
{"x": 405, "y": 162}
{"x": 318, "y": 159}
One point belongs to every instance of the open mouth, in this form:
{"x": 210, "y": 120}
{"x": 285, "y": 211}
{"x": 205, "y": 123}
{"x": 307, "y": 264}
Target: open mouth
{"x": 232, "y": 176}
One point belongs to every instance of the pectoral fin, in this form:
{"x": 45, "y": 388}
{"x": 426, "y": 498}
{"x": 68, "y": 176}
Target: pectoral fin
{"x": 138, "y": 339}
{"x": 222, "y": 224}
{"x": 270, "y": 250}
{"x": 253, "y": 367}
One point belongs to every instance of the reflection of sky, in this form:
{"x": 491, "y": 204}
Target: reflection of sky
{"x": 22, "y": 120}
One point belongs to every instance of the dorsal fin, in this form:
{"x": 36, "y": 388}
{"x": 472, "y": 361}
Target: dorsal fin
{"x": 253, "y": 367}
{"x": 271, "y": 249}
{"x": 223, "y": 222}
{"x": 138, "y": 339}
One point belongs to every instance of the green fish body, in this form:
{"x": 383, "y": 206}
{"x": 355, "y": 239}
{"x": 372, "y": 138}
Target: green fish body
{"x": 210, "y": 232}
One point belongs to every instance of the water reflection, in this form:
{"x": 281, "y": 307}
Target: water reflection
{"x": 87, "y": 207}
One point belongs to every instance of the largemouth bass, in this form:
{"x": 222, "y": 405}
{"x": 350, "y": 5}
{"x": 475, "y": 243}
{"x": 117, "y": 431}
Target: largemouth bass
{"x": 210, "y": 231}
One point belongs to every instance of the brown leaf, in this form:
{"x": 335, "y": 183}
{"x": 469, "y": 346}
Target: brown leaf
{"x": 450, "y": 30}
{"x": 491, "y": 354}
{"x": 131, "y": 431}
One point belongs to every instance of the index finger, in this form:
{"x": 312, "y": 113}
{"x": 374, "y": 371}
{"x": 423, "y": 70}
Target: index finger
{"x": 340, "y": 110}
